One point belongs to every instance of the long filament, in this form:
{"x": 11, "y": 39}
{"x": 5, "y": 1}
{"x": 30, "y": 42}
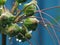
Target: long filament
{"x": 54, "y": 31}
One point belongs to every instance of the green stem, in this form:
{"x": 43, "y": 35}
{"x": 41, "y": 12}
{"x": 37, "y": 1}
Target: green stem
{"x": 14, "y": 7}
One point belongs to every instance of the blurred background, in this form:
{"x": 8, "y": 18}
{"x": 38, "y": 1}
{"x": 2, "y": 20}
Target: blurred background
{"x": 41, "y": 35}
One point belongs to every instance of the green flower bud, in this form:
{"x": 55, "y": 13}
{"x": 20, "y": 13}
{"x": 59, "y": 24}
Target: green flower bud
{"x": 29, "y": 9}
{"x": 2, "y": 2}
{"x": 31, "y": 23}
{"x": 23, "y": 32}
{"x": 7, "y": 18}
{"x": 13, "y": 30}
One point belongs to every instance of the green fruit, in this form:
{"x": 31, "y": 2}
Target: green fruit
{"x": 13, "y": 30}
{"x": 2, "y": 2}
{"x": 29, "y": 10}
{"x": 21, "y": 1}
{"x": 7, "y": 18}
{"x": 3, "y": 21}
{"x": 31, "y": 23}
{"x": 28, "y": 35}
{"x": 23, "y": 32}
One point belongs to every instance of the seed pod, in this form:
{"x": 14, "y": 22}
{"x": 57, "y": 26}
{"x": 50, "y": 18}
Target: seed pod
{"x": 2, "y": 2}
{"x": 29, "y": 9}
{"x": 23, "y": 32}
{"x": 7, "y": 17}
{"x": 21, "y": 1}
{"x": 13, "y": 30}
{"x": 31, "y": 23}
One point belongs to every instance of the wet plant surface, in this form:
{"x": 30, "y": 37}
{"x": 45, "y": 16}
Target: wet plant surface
{"x": 10, "y": 20}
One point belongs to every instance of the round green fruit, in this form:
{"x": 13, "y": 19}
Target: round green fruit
{"x": 3, "y": 21}
{"x": 23, "y": 32}
{"x": 7, "y": 18}
{"x": 13, "y": 30}
{"x": 29, "y": 9}
{"x": 21, "y": 1}
{"x": 2, "y": 2}
{"x": 31, "y": 23}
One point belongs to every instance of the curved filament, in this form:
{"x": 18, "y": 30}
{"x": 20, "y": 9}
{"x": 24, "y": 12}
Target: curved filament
{"x": 54, "y": 31}
{"x": 50, "y": 8}
{"x": 44, "y": 22}
{"x": 51, "y": 17}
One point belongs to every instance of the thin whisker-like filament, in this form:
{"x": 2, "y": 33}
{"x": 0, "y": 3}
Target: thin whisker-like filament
{"x": 52, "y": 26}
{"x": 49, "y": 16}
{"x": 54, "y": 32}
{"x": 50, "y": 8}
{"x": 50, "y": 34}
{"x": 40, "y": 22}
{"x": 44, "y": 23}
{"x": 40, "y": 14}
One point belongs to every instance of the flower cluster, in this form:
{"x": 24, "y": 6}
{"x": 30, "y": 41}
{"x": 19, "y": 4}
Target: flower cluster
{"x": 8, "y": 21}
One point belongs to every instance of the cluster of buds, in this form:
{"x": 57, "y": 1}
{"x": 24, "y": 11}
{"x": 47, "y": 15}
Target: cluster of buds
{"x": 9, "y": 27}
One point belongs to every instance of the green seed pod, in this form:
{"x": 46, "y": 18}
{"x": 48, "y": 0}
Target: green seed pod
{"x": 7, "y": 17}
{"x": 29, "y": 9}
{"x": 21, "y": 1}
{"x": 23, "y": 32}
{"x": 13, "y": 30}
{"x": 3, "y": 21}
{"x": 2, "y": 2}
{"x": 31, "y": 23}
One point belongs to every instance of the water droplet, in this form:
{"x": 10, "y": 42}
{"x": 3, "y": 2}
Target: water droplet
{"x": 19, "y": 3}
{"x": 30, "y": 31}
{"x": 21, "y": 22}
{"x": 9, "y": 38}
{"x": 20, "y": 40}
{"x": 17, "y": 39}
{"x": 45, "y": 25}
